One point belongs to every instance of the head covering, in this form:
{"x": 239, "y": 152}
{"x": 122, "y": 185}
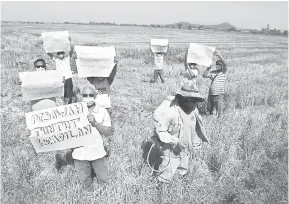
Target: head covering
{"x": 191, "y": 92}
{"x": 219, "y": 62}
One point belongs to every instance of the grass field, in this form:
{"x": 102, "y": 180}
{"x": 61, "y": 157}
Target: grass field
{"x": 247, "y": 161}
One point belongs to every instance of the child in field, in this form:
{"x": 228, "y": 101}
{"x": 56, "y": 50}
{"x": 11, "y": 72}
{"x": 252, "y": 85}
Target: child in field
{"x": 62, "y": 61}
{"x": 158, "y": 65}
{"x": 102, "y": 86}
{"x": 191, "y": 74}
{"x": 93, "y": 156}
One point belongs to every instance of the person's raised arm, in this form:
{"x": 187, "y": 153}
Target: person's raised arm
{"x": 113, "y": 73}
{"x": 224, "y": 68}
{"x": 206, "y": 73}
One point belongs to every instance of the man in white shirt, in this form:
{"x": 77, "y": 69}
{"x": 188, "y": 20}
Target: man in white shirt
{"x": 93, "y": 156}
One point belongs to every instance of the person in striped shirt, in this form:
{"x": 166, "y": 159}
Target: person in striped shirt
{"x": 217, "y": 88}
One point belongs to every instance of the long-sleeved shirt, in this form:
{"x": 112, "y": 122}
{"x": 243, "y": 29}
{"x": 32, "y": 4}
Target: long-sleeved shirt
{"x": 170, "y": 125}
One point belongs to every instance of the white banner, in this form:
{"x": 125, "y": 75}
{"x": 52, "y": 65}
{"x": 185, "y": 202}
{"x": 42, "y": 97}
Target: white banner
{"x": 94, "y": 61}
{"x": 56, "y": 41}
{"x": 200, "y": 54}
{"x": 159, "y": 45}
{"x": 61, "y": 128}
{"x": 41, "y": 84}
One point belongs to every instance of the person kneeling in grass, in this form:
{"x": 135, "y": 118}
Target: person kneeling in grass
{"x": 93, "y": 156}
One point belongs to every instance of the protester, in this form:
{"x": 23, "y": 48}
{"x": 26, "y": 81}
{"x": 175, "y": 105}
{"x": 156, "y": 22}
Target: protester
{"x": 93, "y": 156}
{"x": 217, "y": 88}
{"x": 173, "y": 122}
{"x": 62, "y": 61}
{"x": 44, "y": 103}
{"x": 191, "y": 74}
{"x": 40, "y": 104}
{"x": 102, "y": 86}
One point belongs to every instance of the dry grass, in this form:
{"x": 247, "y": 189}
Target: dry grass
{"x": 247, "y": 161}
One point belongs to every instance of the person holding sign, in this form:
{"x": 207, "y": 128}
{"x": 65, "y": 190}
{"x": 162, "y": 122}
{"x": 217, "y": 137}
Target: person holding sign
{"x": 43, "y": 103}
{"x": 99, "y": 66}
{"x": 93, "y": 156}
{"x": 217, "y": 88}
{"x": 159, "y": 48}
{"x": 102, "y": 86}
{"x": 191, "y": 73}
{"x": 62, "y": 61}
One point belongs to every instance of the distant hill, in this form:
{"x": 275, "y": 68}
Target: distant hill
{"x": 220, "y": 26}
{"x": 186, "y": 25}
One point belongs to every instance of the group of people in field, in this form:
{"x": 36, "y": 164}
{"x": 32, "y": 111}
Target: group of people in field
{"x": 177, "y": 123}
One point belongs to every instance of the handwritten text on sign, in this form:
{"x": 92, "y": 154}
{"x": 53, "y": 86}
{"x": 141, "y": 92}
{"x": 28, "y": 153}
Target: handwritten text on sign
{"x": 56, "y": 41}
{"x": 61, "y": 128}
{"x": 94, "y": 61}
{"x": 200, "y": 54}
{"x": 41, "y": 84}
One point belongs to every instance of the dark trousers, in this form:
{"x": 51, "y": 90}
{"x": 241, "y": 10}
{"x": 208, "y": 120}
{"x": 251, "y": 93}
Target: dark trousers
{"x": 215, "y": 102}
{"x": 68, "y": 90}
{"x": 84, "y": 171}
{"x": 159, "y": 72}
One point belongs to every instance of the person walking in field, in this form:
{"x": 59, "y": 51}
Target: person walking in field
{"x": 217, "y": 88}
{"x": 191, "y": 73}
{"x": 179, "y": 129}
{"x": 92, "y": 157}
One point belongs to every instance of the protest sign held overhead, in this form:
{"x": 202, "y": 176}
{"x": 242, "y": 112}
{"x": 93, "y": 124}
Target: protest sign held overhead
{"x": 42, "y": 84}
{"x": 56, "y": 41}
{"x": 200, "y": 54}
{"x": 61, "y": 128}
{"x": 94, "y": 61}
{"x": 159, "y": 45}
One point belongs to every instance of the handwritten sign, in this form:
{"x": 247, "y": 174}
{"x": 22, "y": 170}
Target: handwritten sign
{"x": 200, "y": 54}
{"x": 94, "y": 61}
{"x": 56, "y": 41}
{"x": 41, "y": 84}
{"x": 61, "y": 127}
{"x": 159, "y": 45}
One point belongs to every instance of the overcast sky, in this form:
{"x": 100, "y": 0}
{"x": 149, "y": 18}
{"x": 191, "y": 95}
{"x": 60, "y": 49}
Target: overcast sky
{"x": 240, "y": 14}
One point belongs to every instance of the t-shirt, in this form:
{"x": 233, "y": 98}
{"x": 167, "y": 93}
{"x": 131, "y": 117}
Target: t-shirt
{"x": 159, "y": 61}
{"x": 43, "y": 104}
{"x": 103, "y": 92}
{"x": 218, "y": 84}
{"x": 96, "y": 149}
{"x": 64, "y": 67}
